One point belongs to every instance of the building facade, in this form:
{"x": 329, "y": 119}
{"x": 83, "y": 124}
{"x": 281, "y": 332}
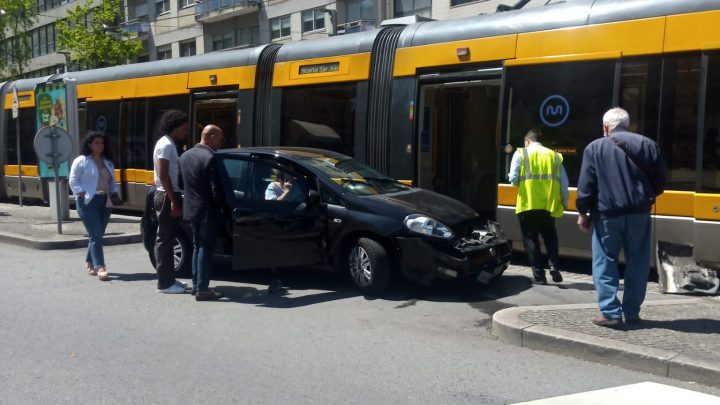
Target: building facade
{"x": 177, "y": 28}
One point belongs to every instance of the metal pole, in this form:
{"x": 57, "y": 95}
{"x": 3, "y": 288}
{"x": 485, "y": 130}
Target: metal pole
{"x": 54, "y": 154}
{"x": 20, "y": 173}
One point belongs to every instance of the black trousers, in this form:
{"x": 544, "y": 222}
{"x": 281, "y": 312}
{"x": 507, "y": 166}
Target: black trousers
{"x": 167, "y": 231}
{"x": 533, "y": 224}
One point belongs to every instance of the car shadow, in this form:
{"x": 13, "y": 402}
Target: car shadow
{"x": 133, "y": 276}
{"x": 324, "y": 287}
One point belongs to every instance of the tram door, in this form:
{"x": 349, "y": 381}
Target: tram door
{"x": 457, "y": 142}
{"x": 217, "y": 111}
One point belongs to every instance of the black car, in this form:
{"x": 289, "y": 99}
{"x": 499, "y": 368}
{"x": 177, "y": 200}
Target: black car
{"x": 343, "y": 215}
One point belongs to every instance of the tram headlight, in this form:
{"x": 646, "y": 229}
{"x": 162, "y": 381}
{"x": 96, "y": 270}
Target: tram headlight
{"x": 425, "y": 225}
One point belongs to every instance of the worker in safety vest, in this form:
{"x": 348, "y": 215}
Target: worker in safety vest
{"x": 542, "y": 184}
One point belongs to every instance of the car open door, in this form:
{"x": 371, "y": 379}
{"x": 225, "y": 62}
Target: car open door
{"x": 268, "y": 233}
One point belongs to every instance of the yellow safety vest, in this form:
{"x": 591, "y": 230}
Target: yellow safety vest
{"x": 539, "y": 183}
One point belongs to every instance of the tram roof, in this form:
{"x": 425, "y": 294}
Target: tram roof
{"x": 359, "y": 42}
{"x": 214, "y": 60}
{"x": 554, "y": 16}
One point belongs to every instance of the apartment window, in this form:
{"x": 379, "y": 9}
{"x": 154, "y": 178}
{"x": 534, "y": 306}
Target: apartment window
{"x": 222, "y": 41}
{"x": 360, "y": 10}
{"x": 413, "y": 7}
{"x": 187, "y": 48}
{"x": 164, "y": 53}
{"x": 280, "y": 27}
{"x": 313, "y": 20}
{"x": 454, "y": 3}
{"x": 162, "y": 6}
{"x": 42, "y": 40}
{"x": 248, "y": 35}
{"x": 185, "y": 3}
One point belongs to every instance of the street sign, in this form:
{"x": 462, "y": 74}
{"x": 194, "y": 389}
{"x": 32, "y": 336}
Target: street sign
{"x": 15, "y": 104}
{"x": 53, "y": 145}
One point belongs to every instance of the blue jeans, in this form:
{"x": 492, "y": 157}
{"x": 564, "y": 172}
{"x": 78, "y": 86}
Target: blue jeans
{"x": 204, "y": 236}
{"x": 95, "y": 216}
{"x": 632, "y": 234}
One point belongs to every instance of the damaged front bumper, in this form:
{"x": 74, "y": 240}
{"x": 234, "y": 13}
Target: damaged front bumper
{"x": 470, "y": 257}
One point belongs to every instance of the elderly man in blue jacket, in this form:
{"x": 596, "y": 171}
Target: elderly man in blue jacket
{"x": 621, "y": 175}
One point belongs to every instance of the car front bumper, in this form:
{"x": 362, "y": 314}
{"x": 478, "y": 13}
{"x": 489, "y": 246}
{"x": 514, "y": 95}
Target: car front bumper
{"x": 424, "y": 263}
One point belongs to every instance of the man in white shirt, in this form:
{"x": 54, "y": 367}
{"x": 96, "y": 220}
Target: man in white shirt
{"x": 168, "y": 199}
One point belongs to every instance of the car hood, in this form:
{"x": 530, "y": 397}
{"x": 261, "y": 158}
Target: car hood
{"x": 419, "y": 201}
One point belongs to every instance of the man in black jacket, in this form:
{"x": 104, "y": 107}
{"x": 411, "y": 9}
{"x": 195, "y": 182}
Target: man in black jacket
{"x": 621, "y": 175}
{"x": 203, "y": 207}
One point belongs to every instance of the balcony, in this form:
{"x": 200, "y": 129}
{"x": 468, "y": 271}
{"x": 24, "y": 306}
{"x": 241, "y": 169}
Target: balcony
{"x": 209, "y": 11}
{"x": 139, "y": 26}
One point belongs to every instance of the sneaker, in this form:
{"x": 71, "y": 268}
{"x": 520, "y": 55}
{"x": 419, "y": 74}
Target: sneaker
{"x": 600, "y": 320}
{"x": 90, "y": 269}
{"x": 173, "y": 289}
{"x": 208, "y": 295}
{"x": 556, "y": 276}
{"x": 540, "y": 281}
{"x": 181, "y": 283}
{"x": 103, "y": 274}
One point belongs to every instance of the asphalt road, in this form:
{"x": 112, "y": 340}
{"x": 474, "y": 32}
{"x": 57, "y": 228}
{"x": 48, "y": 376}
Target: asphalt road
{"x": 67, "y": 338}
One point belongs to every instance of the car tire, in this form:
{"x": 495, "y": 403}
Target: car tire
{"x": 182, "y": 256}
{"x": 369, "y": 266}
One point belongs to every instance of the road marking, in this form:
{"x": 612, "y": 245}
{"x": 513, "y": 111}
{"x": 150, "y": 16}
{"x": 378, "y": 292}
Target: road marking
{"x": 636, "y": 394}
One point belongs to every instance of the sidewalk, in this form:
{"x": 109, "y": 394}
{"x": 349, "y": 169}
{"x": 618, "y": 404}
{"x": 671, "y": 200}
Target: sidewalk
{"x": 677, "y": 338}
{"x": 32, "y": 226}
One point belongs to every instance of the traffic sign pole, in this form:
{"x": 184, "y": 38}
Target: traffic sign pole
{"x": 56, "y": 169}
{"x": 16, "y": 115}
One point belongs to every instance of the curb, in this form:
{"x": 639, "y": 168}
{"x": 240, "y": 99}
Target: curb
{"x": 45, "y": 244}
{"x": 511, "y": 329}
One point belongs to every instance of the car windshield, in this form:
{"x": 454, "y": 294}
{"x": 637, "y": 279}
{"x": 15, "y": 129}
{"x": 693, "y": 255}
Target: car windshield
{"x": 352, "y": 175}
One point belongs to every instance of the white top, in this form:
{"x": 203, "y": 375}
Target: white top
{"x": 84, "y": 175}
{"x": 165, "y": 149}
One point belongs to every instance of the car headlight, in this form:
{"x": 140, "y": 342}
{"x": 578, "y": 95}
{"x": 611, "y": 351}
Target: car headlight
{"x": 427, "y": 226}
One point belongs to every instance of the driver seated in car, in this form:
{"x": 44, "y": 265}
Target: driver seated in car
{"x": 282, "y": 188}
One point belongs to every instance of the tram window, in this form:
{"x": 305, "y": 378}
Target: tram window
{"x": 678, "y": 121}
{"x": 640, "y": 94}
{"x": 320, "y": 117}
{"x": 104, "y": 116}
{"x": 711, "y": 141}
{"x": 28, "y": 128}
{"x": 156, "y": 108}
{"x": 134, "y": 144}
{"x": 566, "y": 100}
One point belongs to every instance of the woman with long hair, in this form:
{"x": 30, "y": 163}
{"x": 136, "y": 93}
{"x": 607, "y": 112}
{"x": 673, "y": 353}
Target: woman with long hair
{"x": 92, "y": 180}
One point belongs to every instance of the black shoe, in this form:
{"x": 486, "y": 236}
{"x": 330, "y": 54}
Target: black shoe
{"x": 600, "y": 320}
{"x": 275, "y": 286}
{"x": 208, "y": 295}
{"x": 632, "y": 321}
{"x": 556, "y": 276}
{"x": 540, "y": 281}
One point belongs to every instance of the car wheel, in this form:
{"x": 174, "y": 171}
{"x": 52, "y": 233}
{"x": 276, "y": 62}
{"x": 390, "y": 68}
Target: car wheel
{"x": 369, "y": 266}
{"x": 182, "y": 256}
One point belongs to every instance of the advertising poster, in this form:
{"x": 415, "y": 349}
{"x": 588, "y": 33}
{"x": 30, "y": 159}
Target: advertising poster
{"x": 51, "y": 107}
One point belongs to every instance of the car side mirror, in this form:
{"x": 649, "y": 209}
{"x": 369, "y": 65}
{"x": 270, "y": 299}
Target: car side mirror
{"x": 313, "y": 198}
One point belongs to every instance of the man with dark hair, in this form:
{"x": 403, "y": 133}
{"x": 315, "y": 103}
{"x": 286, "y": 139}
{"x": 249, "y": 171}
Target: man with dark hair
{"x": 621, "y": 175}
{"x": 542, "y": 184}
{"x": 203, "y": 207}
{"x": 168, "y": 202}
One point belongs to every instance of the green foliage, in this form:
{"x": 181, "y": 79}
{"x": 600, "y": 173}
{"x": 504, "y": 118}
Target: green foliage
{"x": 15, "y": 48}
{"x": 93, "y": 38}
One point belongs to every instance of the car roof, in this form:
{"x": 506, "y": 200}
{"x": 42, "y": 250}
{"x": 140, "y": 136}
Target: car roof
{"x": 289, "y": 152}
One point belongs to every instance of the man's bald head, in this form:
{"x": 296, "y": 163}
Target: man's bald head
{"x": 212, "y": 136}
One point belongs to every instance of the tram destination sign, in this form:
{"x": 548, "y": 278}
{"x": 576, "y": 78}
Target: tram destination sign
{"x": 319, "y": 68}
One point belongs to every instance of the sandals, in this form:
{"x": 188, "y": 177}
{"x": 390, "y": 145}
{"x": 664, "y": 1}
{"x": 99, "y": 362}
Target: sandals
{"x": 103, "y": 274}
{"x": 90, "y": 269}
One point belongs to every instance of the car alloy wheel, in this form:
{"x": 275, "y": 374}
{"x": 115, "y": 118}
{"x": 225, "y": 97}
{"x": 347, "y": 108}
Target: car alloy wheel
{"x": 360, "y": 267}
{"x": 178, "y": 255}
